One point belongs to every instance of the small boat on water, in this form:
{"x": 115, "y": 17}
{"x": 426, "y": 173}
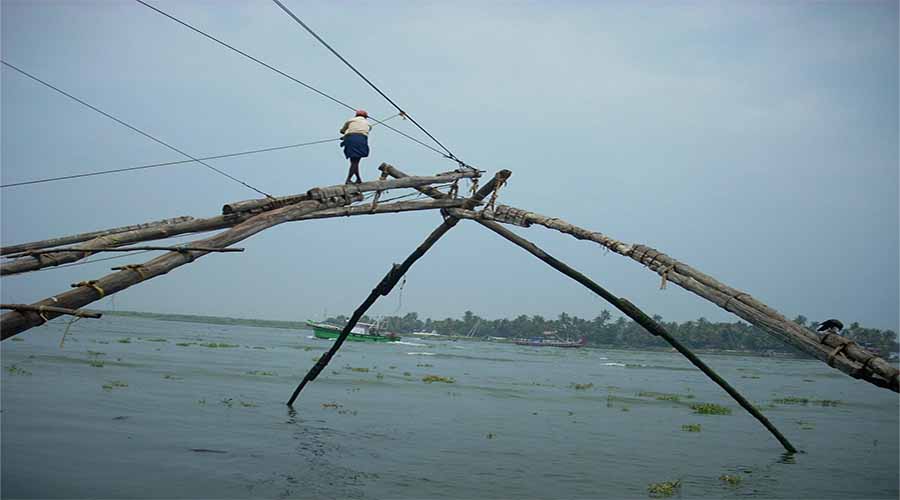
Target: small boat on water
{"x": 551, "y": 339}
{"x": 362, "y": 332}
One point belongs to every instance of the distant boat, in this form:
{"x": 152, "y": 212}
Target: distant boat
{"x": 551, "y": 339}
{"x": 362, "y": 332}
{"x": 432, "y": 333}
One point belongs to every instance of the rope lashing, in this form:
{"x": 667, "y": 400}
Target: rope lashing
{"x": 92, "y": 284}
{"x": 454, "y": 189}
{"x": 382, "y": 177}
{"x": 665, "y": 276}
{"x": 864, "y": 369}
{"x": 733, "y": 297}
{"x": 493, "y": 200}
{"x": 133, "y": 267}
{"x": 41, "y": 314}
{"x": 837, "y": 350}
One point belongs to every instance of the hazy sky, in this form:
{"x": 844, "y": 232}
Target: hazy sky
{"x": 756, "y": 141}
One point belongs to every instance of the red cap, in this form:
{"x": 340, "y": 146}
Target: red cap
{"x": 362, "y": 112}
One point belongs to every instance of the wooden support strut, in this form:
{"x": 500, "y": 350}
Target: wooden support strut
{"x": 160, "y": 231}
{"x": 631, "y": 311}
{"x": 390, "y": 280}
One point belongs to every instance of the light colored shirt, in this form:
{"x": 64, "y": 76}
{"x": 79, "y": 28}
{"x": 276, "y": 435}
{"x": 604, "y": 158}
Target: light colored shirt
{"x": 356, "y": 125}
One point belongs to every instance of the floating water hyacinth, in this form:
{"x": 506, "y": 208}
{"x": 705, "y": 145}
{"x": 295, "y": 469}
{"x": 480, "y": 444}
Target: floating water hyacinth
{"x": 710, "y": 409}
{"x": 664, "y": 489}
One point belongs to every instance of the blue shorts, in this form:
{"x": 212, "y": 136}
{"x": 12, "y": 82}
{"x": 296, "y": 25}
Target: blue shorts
{"x": 355, "y": 146}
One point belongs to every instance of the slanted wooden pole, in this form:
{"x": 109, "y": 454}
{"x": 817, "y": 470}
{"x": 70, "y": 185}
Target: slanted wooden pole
{"x": 835, "y": 350}
{"x": 134, "y": 249}
{"x": 15, "y": 322}
{"x": 68, "y": 240}
{"x": 160, "y": 231}
{"x": 46, "y": 309}
{"x": 642, "y": 319}
{"x": 390, "y": 280}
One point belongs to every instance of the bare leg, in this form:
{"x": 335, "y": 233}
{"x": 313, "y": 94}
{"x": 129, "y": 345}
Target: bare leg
{"x": 354, "y": 164}
{"x": 354, "y": 170}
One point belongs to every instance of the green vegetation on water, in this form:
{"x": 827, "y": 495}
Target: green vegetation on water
{"x": 220, "y": 345}
{"x": 437, "y": 378}
{"x": 115, "y": 384}
{"x": 664, "y": 396}
{"x": 691, "y": 428}
{"x": 15, "y": 370}
{"x": 731, "y": 480}
{"x": 710, "y": 409}
{"x": 792, "y": 400}
{"x": 664, "y": 489}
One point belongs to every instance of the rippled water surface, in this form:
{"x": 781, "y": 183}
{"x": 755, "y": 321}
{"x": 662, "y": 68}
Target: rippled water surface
{"x": 138, "y": 408}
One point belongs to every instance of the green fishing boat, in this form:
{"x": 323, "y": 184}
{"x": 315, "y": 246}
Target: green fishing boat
{"x": 362, "y": 332}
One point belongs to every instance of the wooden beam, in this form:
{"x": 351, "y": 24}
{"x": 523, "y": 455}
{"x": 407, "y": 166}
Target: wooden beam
{"x": 213, "y": 223}
{"x": 68, "y": 240}
{"x": 13, "y": 323}
{"x": 390, "y": 280}
{"x": 263, "y": 204}
{"x": 134, "y": 249}
{"x": 46, "y": 309}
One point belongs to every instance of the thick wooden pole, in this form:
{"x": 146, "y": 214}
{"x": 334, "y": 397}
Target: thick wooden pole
{"x": 390, "y": 280}
{"x": 160, "y": 231}
{"x": 15, "y": 322}
{"x": 68, "y": 240}
{"x": 135, "y": 249}
{"x": 263, "y": 204}
{"x": 642, "y": 319}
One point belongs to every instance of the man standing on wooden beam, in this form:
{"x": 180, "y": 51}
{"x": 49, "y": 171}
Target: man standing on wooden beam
{"x": 355, "y": 142}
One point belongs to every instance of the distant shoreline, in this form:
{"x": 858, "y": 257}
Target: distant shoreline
{"x": 211, "y": 320}
{"x": 301, "y": 325}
